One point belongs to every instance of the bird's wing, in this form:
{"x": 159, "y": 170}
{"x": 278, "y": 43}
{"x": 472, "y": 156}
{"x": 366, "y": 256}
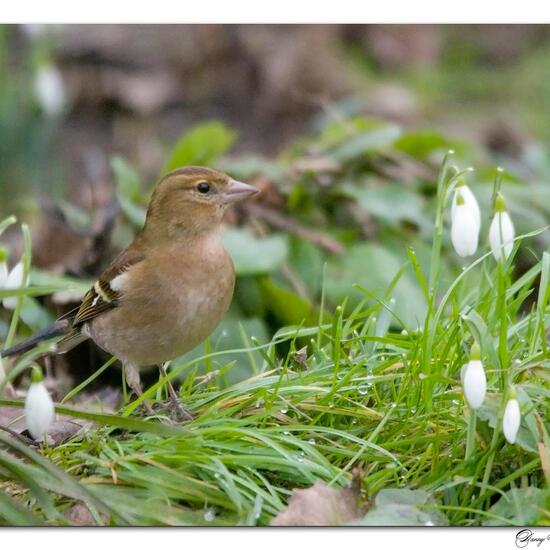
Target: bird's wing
{"x": 104, "y": 296}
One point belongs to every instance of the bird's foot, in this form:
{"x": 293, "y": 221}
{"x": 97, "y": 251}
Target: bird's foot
{"x": 178, "y": 413}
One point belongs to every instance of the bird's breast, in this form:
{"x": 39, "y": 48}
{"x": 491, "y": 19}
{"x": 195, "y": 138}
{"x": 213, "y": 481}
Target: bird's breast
{"x": 170, "y": 303}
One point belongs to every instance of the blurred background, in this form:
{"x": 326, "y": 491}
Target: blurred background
{"x": 342, "y": 127}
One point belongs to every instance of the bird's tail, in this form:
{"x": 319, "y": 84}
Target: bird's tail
{"x": 61, "y": 327}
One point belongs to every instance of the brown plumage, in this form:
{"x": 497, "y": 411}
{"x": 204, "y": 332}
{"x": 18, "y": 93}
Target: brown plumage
{"x": 170, "y": 288}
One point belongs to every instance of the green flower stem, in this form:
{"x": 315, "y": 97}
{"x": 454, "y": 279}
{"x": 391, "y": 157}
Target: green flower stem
{"x": 471, "y": 440}
{"x": 26, "y": 271}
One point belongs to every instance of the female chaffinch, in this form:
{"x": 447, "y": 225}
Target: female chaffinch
{"x": 169, "y": 289}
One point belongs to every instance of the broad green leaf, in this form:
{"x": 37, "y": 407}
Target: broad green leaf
{"x": 373, "y": 267}
{"x": 521, "y": 506}
{"x": 421, "y": 144}
{"x": 288, "y": 307}
{"x": 255, "y": 255}
{"x": 392, "y": 203}
{"x": 403, "y": 507}
{"x": 201, "y": 145}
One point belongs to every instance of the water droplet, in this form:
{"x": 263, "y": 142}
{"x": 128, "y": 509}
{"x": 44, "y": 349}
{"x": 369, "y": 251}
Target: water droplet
{"x": 209, "y": 515}
{"x": 404, "y": 332}
{"x": 391, "y": 465}
{"x": 299, "y": 458}
{"x": 340, "y": 375}
{"x": 382, "y": 358}
{"x": 331, "y": 405}
{"x": 354, "y": 421}
{"x": 393, "y": 405}
{"x": 283, "y": 411}
{"x": 422, "y": 376}
{"x": 311, "y": 441}
{"x": 413, "y": 410}
{"x": 224, "y": 333}
{"x": 217, "y": 475}
{"x": 363, "y": 390}
{"x": 286, "y": 432}
{"x": 455, "y": 402}
{"x": 429, "y": 524}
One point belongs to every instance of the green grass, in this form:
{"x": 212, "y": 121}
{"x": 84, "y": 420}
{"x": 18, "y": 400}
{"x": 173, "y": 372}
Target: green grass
{"x": 373, "y": 393}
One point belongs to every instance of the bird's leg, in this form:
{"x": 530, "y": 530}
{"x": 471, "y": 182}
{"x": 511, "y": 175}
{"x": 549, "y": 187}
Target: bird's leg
{"x": 133, "y": 380}
{"x": 183, "y": 412}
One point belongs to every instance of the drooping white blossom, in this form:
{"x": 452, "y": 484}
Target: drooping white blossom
{"x": 469, "y": 200}
{"x": 14, "y": 280}
{"x": 49, "y": 90}
{"x": 501, "y": 232}
{"x": 474, "y": 381}
{"x": 3, "y": 267}
{"x": 511, "y": 420}
{"x": 39, "y": 407}
{"x": 464, "y": 226}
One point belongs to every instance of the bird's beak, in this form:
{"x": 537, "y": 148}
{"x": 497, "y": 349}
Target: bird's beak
{"x": 238, "y": 191}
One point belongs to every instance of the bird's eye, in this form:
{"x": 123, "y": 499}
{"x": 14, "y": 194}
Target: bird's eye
{"x": 203, "y": 187}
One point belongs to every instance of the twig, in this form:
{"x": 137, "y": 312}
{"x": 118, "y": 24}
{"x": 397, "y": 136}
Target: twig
{"x": 276, "y": 219}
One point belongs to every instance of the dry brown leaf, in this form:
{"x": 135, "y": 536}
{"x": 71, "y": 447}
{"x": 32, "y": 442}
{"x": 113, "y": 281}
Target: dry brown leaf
{"x": 322, "y": 505}
{"x": 80, "y": 515}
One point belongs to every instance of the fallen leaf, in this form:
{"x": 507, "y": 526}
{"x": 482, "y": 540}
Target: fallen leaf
{"x": 80, "y": 515}
{"x": 322, "y": 505}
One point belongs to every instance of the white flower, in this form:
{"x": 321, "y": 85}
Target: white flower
{"x": 3, "y": 273}
{"x": 49, "y": 90}
{"x": 501, "y": 232}
{"x": 14, "y": 280}
{"x": 474, "y": 381}
{"x": 470, "y": 202}
{"x": 465, "y": 226}
{"x": 511, "y": 420}
{"x": 39, "y": 408}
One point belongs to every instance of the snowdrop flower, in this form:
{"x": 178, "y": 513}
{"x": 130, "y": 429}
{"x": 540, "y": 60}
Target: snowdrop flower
{"x": 39, "y": 408}
{"x": 3, "y": 267}
{"x": 474, "y": 381}
{"x": 49, "y": 90}
{"x": 511, "y": 419}
{"x": 469, "y": 200}
{"x": 14, "y": 280}
{"x": 465, "y": 225}
{"x": 501, "y": 232}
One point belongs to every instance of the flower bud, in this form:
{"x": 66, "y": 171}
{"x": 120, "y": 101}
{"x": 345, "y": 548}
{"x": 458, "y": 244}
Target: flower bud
{"x": 50, "y": 90}
{"x": 474, "y": 380}
{"x": 14, "y": 280}
{"x": 469, "y": 200}
{"x": 3, "y": 267}
{"x": 464, "y": 226}
{"x": 39, "y": 408}
{"x": 501, "y": 232}
{"x": 511, "y": 419}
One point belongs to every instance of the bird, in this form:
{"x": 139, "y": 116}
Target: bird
{"x": 168, "y": 290}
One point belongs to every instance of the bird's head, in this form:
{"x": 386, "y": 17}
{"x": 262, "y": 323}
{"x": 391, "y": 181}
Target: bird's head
{"x": 192, "y": 200}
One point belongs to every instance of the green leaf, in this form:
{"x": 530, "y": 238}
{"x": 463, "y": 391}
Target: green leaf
{"x": 403, "y": 507}
{"x": 255, "y": 255}
{"x": 378, "y": 138}
{"x": 392, "y": 203}
{"x": 421, "y": 144}
{"x": 288, "y": 307}
{"x": 128, "y": 190}
{"x": 521, "y": 506}
{"x": 373, "y": 267}
{"x": 201, "y": 145}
